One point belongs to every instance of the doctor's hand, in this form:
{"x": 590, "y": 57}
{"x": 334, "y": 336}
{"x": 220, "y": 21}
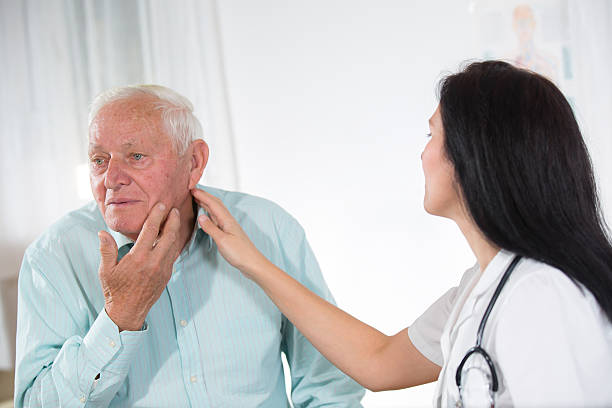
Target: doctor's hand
{"x": 232, "y": 242}
{"x": 134, "y": 284}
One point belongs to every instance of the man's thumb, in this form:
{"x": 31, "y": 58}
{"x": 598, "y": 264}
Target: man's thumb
{"x": 108, "y": 249}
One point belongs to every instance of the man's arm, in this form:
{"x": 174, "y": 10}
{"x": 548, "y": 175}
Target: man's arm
{"x": 58, "y": 357}
{"x": 315, "y": 381}
{"x": 61, "y": 361}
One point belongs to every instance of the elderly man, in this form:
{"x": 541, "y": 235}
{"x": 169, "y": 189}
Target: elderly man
{"x": 128, "y": 302}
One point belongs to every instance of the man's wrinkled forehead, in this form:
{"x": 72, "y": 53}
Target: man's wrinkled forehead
{"x": 127, "y": 118}
{"x": 140, "y": 111}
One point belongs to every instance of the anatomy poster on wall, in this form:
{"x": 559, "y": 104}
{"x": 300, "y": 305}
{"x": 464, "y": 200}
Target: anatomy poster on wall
{"x": 533, "y": 35}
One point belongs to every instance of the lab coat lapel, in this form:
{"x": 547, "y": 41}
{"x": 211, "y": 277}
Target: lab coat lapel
{"x": 445, "y": 343}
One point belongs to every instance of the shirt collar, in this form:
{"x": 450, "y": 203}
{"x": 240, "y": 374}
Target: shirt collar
{"x": 124, "y": 244}
{"x": 198, "y": 232}
{"x": 493, "y": 272}
{"x": 119, "y": 238}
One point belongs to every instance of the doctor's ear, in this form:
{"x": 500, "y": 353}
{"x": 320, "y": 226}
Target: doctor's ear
{"x": 198, "y": 152}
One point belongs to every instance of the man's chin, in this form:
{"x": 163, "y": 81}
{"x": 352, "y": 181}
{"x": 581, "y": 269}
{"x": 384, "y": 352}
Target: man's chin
{"x": 128, "y": 226}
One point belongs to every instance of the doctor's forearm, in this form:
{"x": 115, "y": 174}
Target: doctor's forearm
{"x": 373, "y": 359}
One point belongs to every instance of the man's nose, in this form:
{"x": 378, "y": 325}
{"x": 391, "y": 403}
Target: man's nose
{"x": 116, "y": 176}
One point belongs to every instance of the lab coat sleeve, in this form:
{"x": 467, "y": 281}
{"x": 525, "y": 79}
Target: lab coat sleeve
{"x": 426, "y": 331}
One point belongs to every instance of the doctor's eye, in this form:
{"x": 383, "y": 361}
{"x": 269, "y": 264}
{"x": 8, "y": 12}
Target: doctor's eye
{"x": 97, "y": 161}
{"x": 137, "y": 156}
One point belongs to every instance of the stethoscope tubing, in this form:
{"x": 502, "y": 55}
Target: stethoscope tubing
{"x": 477, "y": 349}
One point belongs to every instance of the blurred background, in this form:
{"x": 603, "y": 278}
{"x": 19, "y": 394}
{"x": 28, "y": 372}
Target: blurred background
{"x": 319, "y": 105}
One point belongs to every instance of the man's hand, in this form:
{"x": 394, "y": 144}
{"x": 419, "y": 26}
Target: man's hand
{"x": 133, "y": 285}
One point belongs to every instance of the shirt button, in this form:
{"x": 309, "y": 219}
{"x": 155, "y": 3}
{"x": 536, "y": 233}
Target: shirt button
{"x": 194, "y": 379}
{"x": 183, "y": 323}
{"x": 82, "y": 399}
{"x": 112, "y": 343}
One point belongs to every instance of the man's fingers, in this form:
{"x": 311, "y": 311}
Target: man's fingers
{"x": 168, "y": 237}
{"x": 108, "y": 250}
{"x": 150, "y": 229}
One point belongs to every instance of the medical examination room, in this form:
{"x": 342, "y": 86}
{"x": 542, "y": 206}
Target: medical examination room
{"x": 291, "y": 203}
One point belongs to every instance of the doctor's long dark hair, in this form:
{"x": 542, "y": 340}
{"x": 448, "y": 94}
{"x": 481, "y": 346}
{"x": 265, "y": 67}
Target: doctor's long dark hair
{"x": 524, "y": 171}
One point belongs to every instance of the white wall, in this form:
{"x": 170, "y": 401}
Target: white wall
{"x": 330, "y": 101}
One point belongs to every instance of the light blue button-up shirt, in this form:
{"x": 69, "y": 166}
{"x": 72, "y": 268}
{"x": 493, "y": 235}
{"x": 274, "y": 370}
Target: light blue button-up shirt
{"x": 213, "y": 339}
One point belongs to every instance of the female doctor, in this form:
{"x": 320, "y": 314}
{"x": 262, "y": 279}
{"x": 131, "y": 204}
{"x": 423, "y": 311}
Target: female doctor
{"x": 530, "y": 323}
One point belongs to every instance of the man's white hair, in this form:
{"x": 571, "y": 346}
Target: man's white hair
{"x": 176, "y": 111}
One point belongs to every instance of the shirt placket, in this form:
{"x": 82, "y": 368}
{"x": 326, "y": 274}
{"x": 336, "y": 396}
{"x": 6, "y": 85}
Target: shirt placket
{"x": 186, "y": 337}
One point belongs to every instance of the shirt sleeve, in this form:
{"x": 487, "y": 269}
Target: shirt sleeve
{"x": 315, "y": 382}
{"x": 426, "y": 331}
{"x": 61, "y": 361}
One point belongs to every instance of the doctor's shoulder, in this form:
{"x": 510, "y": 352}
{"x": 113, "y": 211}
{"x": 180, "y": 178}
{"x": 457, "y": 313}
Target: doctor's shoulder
{"x": 552, "y": 340}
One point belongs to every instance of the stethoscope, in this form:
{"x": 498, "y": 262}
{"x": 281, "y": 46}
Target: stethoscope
{"x": 477, "y": 349}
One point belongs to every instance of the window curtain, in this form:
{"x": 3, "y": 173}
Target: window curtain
{"x": 56, "y": 56}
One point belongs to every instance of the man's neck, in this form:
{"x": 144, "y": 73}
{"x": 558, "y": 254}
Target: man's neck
{"x": 188, "y": 212}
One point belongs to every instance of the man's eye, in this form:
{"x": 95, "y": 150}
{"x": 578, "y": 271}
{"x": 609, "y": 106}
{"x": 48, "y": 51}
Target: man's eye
{"x": 98, "y": 161}
{"x": 137, "y": 156}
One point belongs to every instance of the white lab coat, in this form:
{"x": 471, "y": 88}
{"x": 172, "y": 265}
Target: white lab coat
{"x": 549, "y": 340}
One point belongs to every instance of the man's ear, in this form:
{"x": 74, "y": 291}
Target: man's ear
{"x": 198, "y": 161}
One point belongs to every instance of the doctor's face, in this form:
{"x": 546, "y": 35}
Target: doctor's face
{"x": 441, "y": 197}
{"x": 134, "y": 165}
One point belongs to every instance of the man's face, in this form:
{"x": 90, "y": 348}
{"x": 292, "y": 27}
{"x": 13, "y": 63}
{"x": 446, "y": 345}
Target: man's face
{"x": 133, "y": 164}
